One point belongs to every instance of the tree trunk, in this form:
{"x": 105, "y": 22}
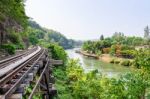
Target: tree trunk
{"x": 143, "y": 95}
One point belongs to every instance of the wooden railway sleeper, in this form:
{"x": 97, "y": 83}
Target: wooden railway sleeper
{"x": 16, "y": 85}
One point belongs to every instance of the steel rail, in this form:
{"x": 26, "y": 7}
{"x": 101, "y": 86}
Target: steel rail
{"x": 20, "y": 80}
{"x": 7, "y": 61}
{"x": 36, "y": 85}
{"x": 6, "y": 78}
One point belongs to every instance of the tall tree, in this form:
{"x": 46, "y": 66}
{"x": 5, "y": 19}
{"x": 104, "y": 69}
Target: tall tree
{"x": 146, "y": 32}
{"x": 102, "y": 37}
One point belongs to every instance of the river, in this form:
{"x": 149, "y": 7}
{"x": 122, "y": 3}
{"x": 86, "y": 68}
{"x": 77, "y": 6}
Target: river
{"x": 88, "y": 64}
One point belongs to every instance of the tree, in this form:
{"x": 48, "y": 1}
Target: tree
{"x": 33, "y": 40}
{"x": 146, "y": 32}
{"x": 57, "y": 52}
{"x": 118, "y": 37}
{"x": 142, "y": 59}
{"x": 102, "y": 37}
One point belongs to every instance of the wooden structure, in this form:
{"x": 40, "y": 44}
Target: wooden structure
{"x": 35, "y": 71}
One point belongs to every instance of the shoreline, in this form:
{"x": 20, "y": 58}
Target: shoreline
{"x": 87, "y": 54}
{"x": 104, "y": 57}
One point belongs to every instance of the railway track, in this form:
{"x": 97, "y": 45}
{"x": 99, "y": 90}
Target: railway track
{"x": 7, "y": 61}
{"x": 15, "y": 70}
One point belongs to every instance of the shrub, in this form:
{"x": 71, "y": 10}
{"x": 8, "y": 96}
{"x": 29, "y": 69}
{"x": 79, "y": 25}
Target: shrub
{"x": 126, "y": 63}
{"x": 112, "y": 61}
{"x": 57, "y": 52}
{"x": 142, "y": 59}
{"x": 127, "y": 47}
{"x": 106, "y": 50}
{"x": 14, "y": 37}
{"x": 19, "y": 46}
{"x": 117, "y": 61}
{"x": 98, "y": 52}
{"x": 128, "y": 53}
{"x": 33, "y": 39}
{"x": 113, "y": 50}
{"x": 9, "y": 48}
{"x": 131, "y": 63}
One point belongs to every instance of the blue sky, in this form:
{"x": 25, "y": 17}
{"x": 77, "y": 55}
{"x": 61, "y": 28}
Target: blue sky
{"x": 88, "y": 19}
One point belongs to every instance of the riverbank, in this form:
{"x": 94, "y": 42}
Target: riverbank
{"x": 103, "y": 57}
{"x": 87, "y": 54}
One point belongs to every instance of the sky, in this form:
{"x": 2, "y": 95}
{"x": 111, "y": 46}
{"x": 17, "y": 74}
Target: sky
{"x": 88, "y": 19}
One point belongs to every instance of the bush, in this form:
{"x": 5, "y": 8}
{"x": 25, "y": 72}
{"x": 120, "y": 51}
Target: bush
{"x": 19, "y": 46}
{"x": 98, "y": 52}
{"x": 106, "y": 50}
{"x": 33, "y": 40}
{"x": 117, "y": 61}
{"x": 9, "y": 48}
{"x": 126, "y": 63}
{"x": 131, "y": 63}
{"x": 57, "y": 52}
{"x": 113, "y": 50}
{"x": 128, "y": 53}
{"x": 112, "y": 61}
{"x": 14, "y": 37}
{"x": 127, "y": 47}
{"x": 142, "y": 59}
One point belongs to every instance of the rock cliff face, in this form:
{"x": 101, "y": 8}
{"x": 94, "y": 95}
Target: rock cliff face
{"x": 12, "y": 18}
{"x": 7, "y": 25}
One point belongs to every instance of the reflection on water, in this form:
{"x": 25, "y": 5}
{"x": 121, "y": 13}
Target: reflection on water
{"x": 89, "y": 64}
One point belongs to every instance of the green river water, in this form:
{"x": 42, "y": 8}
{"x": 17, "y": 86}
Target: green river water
{"x": 88, "y": 64}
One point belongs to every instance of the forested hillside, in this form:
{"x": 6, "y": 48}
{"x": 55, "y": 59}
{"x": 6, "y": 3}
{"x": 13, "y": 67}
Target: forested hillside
{"x": 17, "y": 31}
{"x": 13, "y": 24}
{"x": 53, "y": 36}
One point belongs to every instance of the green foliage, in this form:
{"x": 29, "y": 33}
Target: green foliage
{"x": 117, "y": 61}
{"x": 9, "y": 48}
{"x": 80, "y": 85}
{"x": 134, "y": 41}
{"x": 55, "y": 36}
{"x": 128, "y": 53}
{"x": 19, "y": 46}
{"x": 13, "y": 20}
{"x": 14, "y": 10}
{"x": 127, "y": 47}
{"x": 98, "y": 52}
{"x": 112, "y": 61}
{"x": 135, "y": 85}
{"x": 113, "y": 50}
{"x": 15, "y": 38}
{"x": 117, "y": 45}
{"x": 125, "y": 63}
{"x": 61, "y": 83}
{"x": 33, "y": 40}
{"x": 57, "y": 52}
{"x": 95, "y": 46}
{"x": 118, "y": 37}
{"x": 28, "y": 90}
{"x": 142, "y": 59}
{"x": 48, "y": 35}
{"x": 43, "y": 43}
